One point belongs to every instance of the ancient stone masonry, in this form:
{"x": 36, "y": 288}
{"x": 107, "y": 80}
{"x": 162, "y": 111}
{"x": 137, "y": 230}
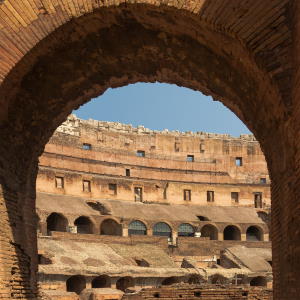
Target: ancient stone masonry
{"x": 57, "y": 55}
{"x": 129, "y": 208}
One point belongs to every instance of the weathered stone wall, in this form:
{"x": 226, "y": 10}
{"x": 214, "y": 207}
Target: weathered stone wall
{"x": 206, "y": 293}
{"x": 163, "y": 174}
{"x": 56, "y": 56}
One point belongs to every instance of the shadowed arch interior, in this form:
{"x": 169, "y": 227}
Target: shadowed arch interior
{"x": 232, "y": 232}
{"x": 124, "y": 283}
{"x": 84, "y": 225}
{"x": 258, "y": 281}
{"x": 110, "y": 227}
{"x": 57, "y": 222}
{"x": 254, "y": 233}
{"x": 102, "y": 281}
{"x": 76, "y": 283}
{"x": 209, "y": 231}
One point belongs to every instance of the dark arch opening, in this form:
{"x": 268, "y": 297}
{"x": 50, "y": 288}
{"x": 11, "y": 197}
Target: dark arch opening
{"x": 57, "y": 222}
{"x": 137, "y": 228}
{"x": 232, "y": 233}
{"x": 195, "y": 279}
{"x": 186, "y": 229}
{"x": 84, "y": 225}
{"x": 258, "y": 281}
{"x": 162, "y": 229}
{"x": 110, "y": 227}
{"x": 102, "y": 281}
{"x": 209, "y": 231}
{"x": 170, "y": 280}
{"x": 76, "y": 284}
{"x": 53, "y": 112}
{"x": 218, "y": 279}
{"x": 253, "y": 233}
{"x": 124, "y": 283}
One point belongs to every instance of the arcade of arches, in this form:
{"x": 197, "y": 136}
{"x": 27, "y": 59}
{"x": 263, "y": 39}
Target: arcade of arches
{"x": 56, "y": 56}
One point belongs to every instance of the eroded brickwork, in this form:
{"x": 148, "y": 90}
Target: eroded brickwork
{"x": 243, "y": 53}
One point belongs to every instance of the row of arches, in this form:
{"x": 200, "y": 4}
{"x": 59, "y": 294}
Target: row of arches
{"x": 77, "y": 283}
{"x": 57, "y": 222}
{"x": 84, "y": 225}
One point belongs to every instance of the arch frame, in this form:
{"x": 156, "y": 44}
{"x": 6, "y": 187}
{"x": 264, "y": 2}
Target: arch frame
{"x": 235, "y": 227}
{"x": 22, "y": 189}
{"x": 91, "y": 221}
{"x": 260, "y": 230}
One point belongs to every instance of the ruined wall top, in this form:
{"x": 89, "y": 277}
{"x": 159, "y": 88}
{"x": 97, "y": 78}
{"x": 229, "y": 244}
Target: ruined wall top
{"x": 73, "y": 125}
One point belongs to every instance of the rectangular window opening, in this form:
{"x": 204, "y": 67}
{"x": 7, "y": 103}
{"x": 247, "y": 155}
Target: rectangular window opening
{"x": 235, "y": 197}
{"x": 138, "y": 194}
{"x": 238, "y": 161}
{"x": 187, "y": 195}
{"x": 263, "y": 180}
{"x": 112, "y": 187}
{"x": 86, "y": 184}
{"x": 127, "y": 172}
{"x": 86, "y": 146}
{"x": 210, "y": 196}
{"x": 190, "y": 158}
{"x": 140, "y": 153}
{"x": 202, "y": 148}
{"x": 59, "y": 182}
{"x": 258, "y": 200}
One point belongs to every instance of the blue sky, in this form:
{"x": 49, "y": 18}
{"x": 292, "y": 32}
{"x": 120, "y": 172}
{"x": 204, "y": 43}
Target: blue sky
{"x": 159, "y": 106}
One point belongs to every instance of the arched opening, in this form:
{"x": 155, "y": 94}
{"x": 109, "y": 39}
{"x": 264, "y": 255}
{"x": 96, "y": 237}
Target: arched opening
{"x": 254, "y": 234}
{"x": 102, "y": 281}
{"x": 186, "y": 229}
{"x": 162, "y": 229}
{"x": 232, "y": 233}
{"x": 137, "y": 228}
{"x": 76, "y": 284}
{"x": 232, "y": 70}
{"x": 209, "y": 231}
{"x": 110, "y": 227}
{"x": 195, "y": 279}
{"x": 218, "y": 279}
{"x": 124, "y": 283}
{"x": 57, "y": 222}
{"x": 84, "y": 225}
{"x": 141, "y": 262}
{"x": 258, "y": 281}
{"x": 170, "y": 280}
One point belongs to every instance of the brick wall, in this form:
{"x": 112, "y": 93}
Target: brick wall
{"x": 203, "y": 293}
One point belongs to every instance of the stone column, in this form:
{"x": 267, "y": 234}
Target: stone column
{"x": 18, "y": 224}
{"x": 125, "y": 231}
{"x": 220, "y": 236}
{"x": 243, "y": 237}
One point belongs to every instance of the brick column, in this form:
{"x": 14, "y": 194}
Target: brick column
{"x": 18, "y": 244}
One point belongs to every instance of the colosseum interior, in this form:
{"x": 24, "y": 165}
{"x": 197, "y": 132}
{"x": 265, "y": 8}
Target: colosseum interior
{"x": 131, "y": 208}
{"x": 58, "y": 54}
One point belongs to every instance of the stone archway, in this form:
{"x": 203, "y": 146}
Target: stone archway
{"x": 110, "y": 227}
{"x": 57, "y": 222}
{"x": 76, "y": 284}
{"x": 232, "y": 233}
{"x": 56, "y": 57}
{"x": 84, "y": 225}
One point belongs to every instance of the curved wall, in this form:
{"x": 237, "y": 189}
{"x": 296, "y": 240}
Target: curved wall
{"x": 105, "y": 160}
